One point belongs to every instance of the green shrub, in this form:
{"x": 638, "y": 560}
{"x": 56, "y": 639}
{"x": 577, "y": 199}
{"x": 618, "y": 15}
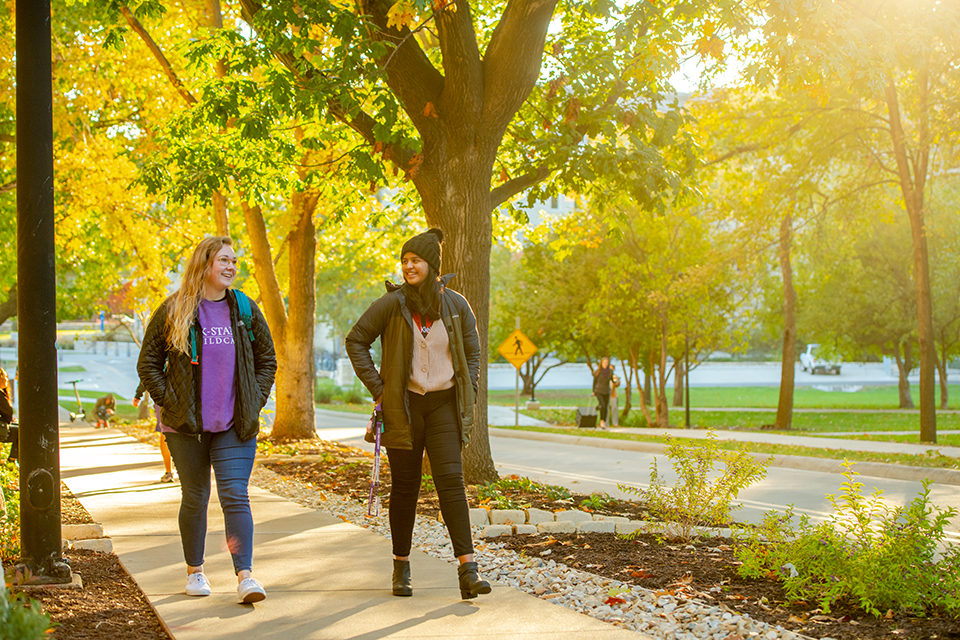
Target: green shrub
{"x": 21, "y": 618}
{"x": 698, "y": 499}
{"x": 9, "y": 525}
{"x": 490, "y": 494}
{"x": 324, "y": 390}
{"x": 879, "y": 556}
{"x": 357, "y": 394}
{"x": 426, "y": 484}
{"x": 596, "y": 501}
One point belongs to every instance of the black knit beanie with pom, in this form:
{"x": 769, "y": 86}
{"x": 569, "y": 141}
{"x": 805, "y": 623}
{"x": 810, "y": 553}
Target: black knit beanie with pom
{"x": 427, "y": 246}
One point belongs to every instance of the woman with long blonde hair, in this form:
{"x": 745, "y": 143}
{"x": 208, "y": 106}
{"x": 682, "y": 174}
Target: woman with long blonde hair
{"x": 208, "y": 360}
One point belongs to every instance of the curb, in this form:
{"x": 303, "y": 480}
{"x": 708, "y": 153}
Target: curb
{"x": 823, "y": 465}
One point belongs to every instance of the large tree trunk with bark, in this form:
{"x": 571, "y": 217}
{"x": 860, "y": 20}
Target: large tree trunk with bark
{"x": 904, "y": 367}
{"x": 292, "y": 334}
{"x": 912, "y": 178}
{"x": 461, "y": 116}
{"x": 784, "y": 419}
{"x": 295, "y": 417}
{"x": 456, "y": 198}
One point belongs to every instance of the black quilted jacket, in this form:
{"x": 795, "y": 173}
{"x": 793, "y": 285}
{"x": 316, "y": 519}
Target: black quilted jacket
{"x": 177, "y": 389}
{"x": 389, "y": 319}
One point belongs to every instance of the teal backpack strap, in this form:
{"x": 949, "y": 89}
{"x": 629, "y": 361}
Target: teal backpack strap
{"x": 193, "y": 346}
{"x": 246, "y": 316}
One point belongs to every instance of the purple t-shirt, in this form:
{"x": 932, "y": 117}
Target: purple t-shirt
{"x": 218, "y": 366}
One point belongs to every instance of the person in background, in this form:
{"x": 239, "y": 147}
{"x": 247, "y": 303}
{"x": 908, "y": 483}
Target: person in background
{"x": 426, "y": 386}
{"x": 212, "y": 373}
{"x": 602, "y": 377}
{"x": 164, "y": 449}
{"x": 9, "y": 433}
{"x": 105, "y": 408}
{"x": 6, "y": 406}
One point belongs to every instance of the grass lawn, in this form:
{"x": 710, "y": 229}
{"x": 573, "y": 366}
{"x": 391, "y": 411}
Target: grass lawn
{"x": 124, "y": 411}
{"x": 946, "y": 440}
{"x": 347, "y": 408}
{"x": 803, "y": 423}
{"x": 884, "y": 397}
{"x": 71, "y": 369}
{"x": 935, "y": 461}
{"x": 90, "y": 394}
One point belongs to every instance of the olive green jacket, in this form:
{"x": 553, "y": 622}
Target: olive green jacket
{"x": 389, "y": 319}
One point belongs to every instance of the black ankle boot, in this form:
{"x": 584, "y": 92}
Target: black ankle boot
{"x": 401, "y": 578}
{"x": 470, "y": 583}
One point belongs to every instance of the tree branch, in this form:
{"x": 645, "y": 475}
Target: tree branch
{"x": 410, "y": 74}
{"x": 363, "y": 123}
{"x": 12, "y": 139}
{"x": 10, "y": 186}
{"x": 512, "y": 187}
{"x": 463, "y": 88}
{"x": 158, "y": 54}
{"x": 512, "y": 61}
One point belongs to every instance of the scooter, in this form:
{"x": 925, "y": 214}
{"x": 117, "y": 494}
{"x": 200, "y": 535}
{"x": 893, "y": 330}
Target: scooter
{"x": 81, "y": 414}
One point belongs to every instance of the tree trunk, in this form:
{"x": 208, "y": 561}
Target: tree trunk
{"x": 784, "y": 419}
{"x": 662, "y": 408}
{"x": 942, "y": 371}
{"x": 912, "y": 187}
{"x": 647, "y": 398}
{"x": 295, "y": 417}
{"x": 8, "y": 308}
{"x": 456, "y": 198}
{"x": 631, "y": 373}
{"x": 645, "y": 392}
{"x": 679, "y": 378}
{"x": 904, "y": 367}
{"x": 526, "y": 377}
{"x": 295, "y": 411}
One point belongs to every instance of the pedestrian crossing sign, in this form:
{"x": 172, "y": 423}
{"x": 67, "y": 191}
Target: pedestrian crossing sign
{"x": 517, "y": 349}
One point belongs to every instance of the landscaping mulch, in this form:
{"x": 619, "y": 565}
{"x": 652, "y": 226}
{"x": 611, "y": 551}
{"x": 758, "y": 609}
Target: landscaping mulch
{"x": 110, "y": 606}
{"x": 705, "y": 570}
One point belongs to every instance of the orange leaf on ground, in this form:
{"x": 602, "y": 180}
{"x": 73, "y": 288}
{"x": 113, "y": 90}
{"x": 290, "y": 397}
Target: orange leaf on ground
{"x": 613, "y": 600}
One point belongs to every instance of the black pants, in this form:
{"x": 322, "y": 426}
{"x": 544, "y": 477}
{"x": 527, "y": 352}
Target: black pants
{"x": 433, "y": 419}
{"x": 604, "y": 400}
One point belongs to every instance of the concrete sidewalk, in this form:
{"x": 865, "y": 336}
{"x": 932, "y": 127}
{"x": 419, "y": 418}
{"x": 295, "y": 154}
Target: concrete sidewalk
{"x": 325, "y": 578}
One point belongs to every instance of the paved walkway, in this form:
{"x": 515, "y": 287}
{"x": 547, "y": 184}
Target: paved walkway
{"x": 325, "y": 578}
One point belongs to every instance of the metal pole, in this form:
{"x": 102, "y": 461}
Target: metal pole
{"x": 686, "y": 378}
{"x": 36, "y": 299}
{"x": 516, "y": 405}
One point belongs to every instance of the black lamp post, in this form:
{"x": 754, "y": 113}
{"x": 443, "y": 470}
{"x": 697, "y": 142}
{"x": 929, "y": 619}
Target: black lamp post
{"x": 36, "y": 300}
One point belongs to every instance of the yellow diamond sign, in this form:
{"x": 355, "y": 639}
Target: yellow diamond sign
{"x": 517, "y": 349}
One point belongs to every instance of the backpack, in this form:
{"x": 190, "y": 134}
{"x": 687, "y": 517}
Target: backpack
{"x": 246, "y": 320}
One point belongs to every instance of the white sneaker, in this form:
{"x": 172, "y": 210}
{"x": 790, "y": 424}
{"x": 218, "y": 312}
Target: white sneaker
{"x": 197, "y": 585}
{"x": 249, "y": 591}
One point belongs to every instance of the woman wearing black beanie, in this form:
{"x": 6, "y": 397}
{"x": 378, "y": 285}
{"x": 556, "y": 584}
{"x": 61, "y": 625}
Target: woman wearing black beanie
{"x": 427, "y": 389}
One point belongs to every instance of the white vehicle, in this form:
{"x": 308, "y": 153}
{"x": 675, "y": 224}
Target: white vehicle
{"x": 810, "y": 362}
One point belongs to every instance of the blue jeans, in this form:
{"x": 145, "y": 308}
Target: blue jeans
{"x": 232, "y": 463}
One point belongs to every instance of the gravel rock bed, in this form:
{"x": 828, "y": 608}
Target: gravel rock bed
{"x": 656, "y": 614}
